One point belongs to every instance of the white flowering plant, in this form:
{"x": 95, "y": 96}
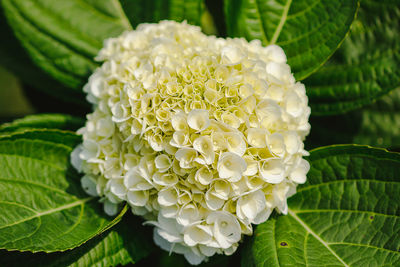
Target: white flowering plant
{"x": 182, "y": 133}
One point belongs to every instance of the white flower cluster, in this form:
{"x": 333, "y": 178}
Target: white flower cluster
{"x": 202, "y": 136}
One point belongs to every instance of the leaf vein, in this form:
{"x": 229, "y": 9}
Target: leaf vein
{"x": 282, "y": 21}
{"x": 345, "y": 181}
{"x": 309, "y": 230}
{"x": 362, "y": 245}
{"x": 263, "y": 30}
{"x": 35, "y": 184}
{"x": 44, "y": 213}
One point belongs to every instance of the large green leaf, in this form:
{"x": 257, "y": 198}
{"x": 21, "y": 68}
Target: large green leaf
{"x": 365, "y": 67}
{"x": 347, "y": 214}
{"x": 62, "y": 37}
{"x": 125, "y": 243}
{"x": 377, "y": 125}
{"x": 49, "y": 121}
{"x": 53, "y": 136}
{"x": 15, "y": 59}
{"x": 308, "y": 30}
{"x": 41, "y": 201}
{"x": 139, "y": 11}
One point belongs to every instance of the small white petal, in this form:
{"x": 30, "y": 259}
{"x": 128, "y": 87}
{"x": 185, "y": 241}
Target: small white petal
{"x": 235, "y": 143}
{"x": 135, "y": 179}
{"x": 76, "y": 161}
{"x": 262, "y": 216}
{"x": 186, "y": 156}
{"x": 252, "y": 166}
{"x": 204, "y": 176}
{"x": 179, "y": 139}
{"x": 197, "y": 234}
{"x": 256, "y": 137}
{"x": 90, "y": 151}
{"x": 169, "y": 229}
{"x": 227, "y": 230}
{"x": 110, "y": 208}
{"x": 193, "y": 258}
{"x": 275, "y": 93}
{"x": 231, "y": 55}
{"x": 299, "y": 174}
{"x": 276, "y": 144}
{"x": 204, "y": 146}
{"x": 293, "y": 104}
{"x": 221, "y": 189}
{"x": 170, "y": 237}
{"x": 165, "y": 179}
{"x": 187, "y": 215}
{"x": 179, "y": 122}
{"x": 96, "y": 85}
{"x": 117, "y": 187}
{"x": 213, "y": 202}
{"x": 292, "y": 142}
{"x": 163, "y": 163}
{"x": 138, "y": 198}
{"x": 231, "y": 120}
{"x": 161, "y": 242}
{"x": 231, "y": 166}
{"x": 168, "y": 197}
{"x": 105, "y": 127}
{"x": 219, "y": 141}
{"x": 89, "y": 183}
{"x": 276, "y": 53}
{"x": 169, "y": 211}
{"x": 141, "y": 211}
{"x": 198, "y": 119}
{"x": 120, "y": 112}
{"x": 251, "y": 205}
{"x": 278, "y": 70}
{"x": 207, "y": 250}
{"x": 272, "y": 170}
{"x": 229, "y": 251}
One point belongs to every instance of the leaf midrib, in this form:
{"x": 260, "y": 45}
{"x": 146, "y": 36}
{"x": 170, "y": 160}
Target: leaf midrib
{"x": 263, "y": 30}
{"x": 52, "y": 165}
{"x": 345, "y": 211}
{"x": 315, "y": 3}
{"x": 282, "y": 21}
{"x": 47, "y": 212}
{"x": 362, "y": 245}
{"x": 124, "y": 19}
{"x": 345, "y": 181}
{"x": 323, "y": 242}
{"x": 17, "y": 180}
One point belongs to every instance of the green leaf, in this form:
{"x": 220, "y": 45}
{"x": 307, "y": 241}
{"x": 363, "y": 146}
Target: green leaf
{"x": 49, "y": 121}
{"x": 139, "y": 11}
{"x": 62, "y": 37}
{"x": 309, "y": 31}
{"x": 365, "y": 67}
{"x": 15, "y": 59}
{"x": 377, "y": 125}
{"x": 42, "y": 203}
{"x": 54, "y": 136}
{"x": 347, "y": 214}
{"x": 127, "y": 242}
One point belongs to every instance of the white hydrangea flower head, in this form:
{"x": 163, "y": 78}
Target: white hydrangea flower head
{"x": 202, "y": 136}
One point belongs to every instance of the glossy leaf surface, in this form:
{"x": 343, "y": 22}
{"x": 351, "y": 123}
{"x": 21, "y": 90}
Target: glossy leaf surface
{"x": 309, "y": 31}
{"x": 46, "y": 209}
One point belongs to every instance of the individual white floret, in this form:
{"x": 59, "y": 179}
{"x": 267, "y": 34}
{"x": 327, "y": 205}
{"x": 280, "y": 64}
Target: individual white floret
{"x": 231, "y": 166}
